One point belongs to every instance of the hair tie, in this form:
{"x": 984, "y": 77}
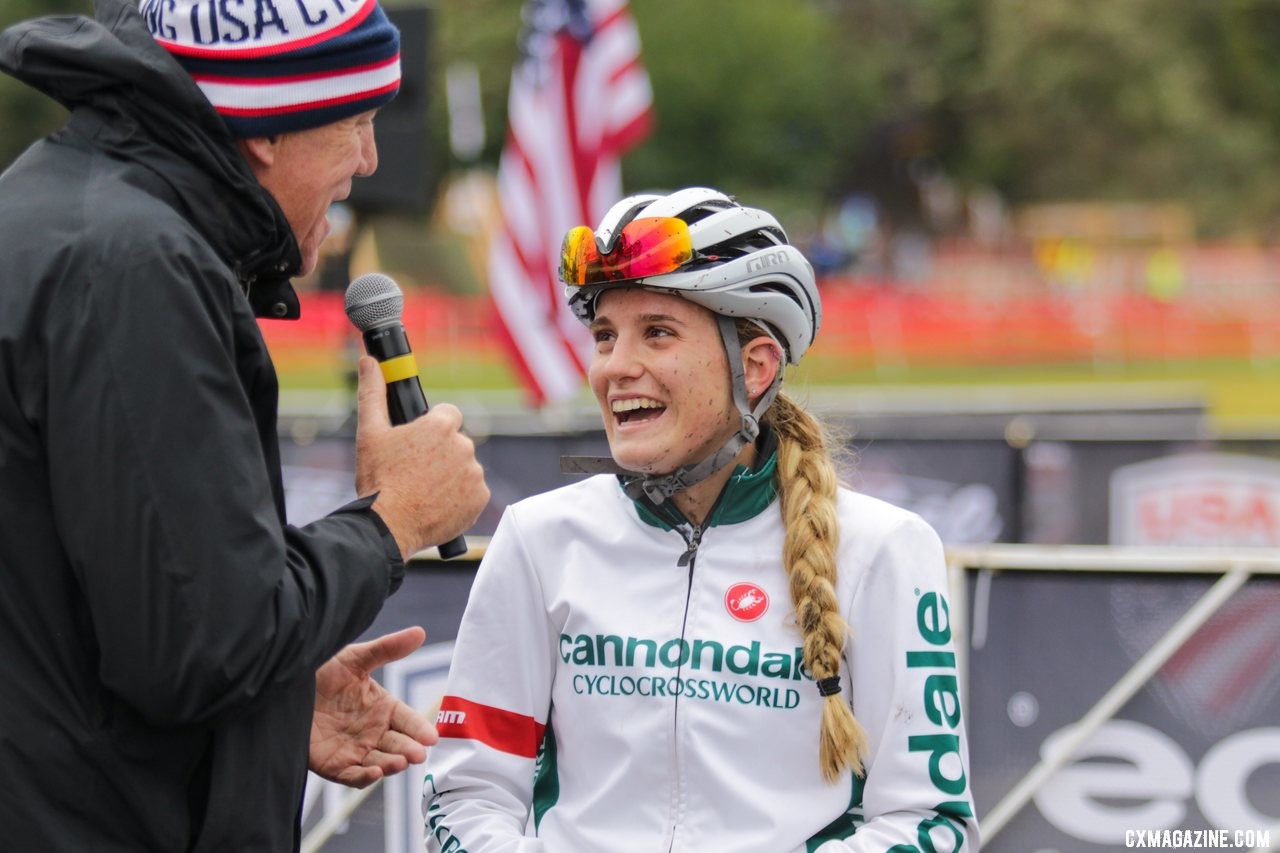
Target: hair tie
{"x": 829, "y": 686}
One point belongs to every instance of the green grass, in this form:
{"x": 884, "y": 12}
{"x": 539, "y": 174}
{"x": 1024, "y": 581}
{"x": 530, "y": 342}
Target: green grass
{"x": 1241, "y": 396}
{"x": 324, "y": 370}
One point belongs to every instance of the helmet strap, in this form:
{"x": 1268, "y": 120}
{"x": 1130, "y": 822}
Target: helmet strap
{"x": 659, "y": 488}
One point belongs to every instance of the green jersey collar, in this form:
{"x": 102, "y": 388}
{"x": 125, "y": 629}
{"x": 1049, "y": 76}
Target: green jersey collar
{"x": 747, "y": 494}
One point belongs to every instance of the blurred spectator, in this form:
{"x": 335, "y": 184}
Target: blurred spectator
{"x": 1164, "y": 275}
{"x": 849, "y": 237}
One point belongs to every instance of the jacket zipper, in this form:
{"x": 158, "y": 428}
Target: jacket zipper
{"x": 692, "y": 535}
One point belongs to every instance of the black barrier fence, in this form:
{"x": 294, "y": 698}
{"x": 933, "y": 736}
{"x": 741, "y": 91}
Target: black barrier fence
{"x": 1195, "y": 749}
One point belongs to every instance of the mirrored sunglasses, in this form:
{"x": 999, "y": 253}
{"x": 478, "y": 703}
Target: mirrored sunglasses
{"x": 647, "y": 246}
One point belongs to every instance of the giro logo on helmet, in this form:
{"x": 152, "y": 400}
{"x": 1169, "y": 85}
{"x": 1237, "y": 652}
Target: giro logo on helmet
{"x": 763, "y": 262}
{"x": 746, "y": 602}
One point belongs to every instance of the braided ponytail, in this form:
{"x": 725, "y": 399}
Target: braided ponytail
{"x": 807, "y": 483}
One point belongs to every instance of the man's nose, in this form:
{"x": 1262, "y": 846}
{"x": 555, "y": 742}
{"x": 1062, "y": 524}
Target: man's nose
{"x": 368, "y": 154}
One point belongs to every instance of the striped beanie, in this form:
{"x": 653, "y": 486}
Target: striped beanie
{"x": 274, "y": 66}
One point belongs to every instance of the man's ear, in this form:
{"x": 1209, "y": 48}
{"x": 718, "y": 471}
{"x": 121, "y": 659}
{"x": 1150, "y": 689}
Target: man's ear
{"x": 761, "y": 361}
{"x": 260, "y": 152}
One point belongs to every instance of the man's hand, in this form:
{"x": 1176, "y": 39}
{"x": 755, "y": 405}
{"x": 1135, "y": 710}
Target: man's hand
{"x": 360, "y": 732}
{"x": 430, "y": 486}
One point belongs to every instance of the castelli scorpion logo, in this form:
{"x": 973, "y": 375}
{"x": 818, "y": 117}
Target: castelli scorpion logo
{"x": 746, "y": 602}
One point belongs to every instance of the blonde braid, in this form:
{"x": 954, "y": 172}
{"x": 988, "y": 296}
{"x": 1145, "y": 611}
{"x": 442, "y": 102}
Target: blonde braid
{"x": 807, "y": 483}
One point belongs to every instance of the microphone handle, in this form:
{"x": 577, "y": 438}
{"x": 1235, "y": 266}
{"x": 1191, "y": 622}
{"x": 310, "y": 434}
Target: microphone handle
{"x": 405, "y": 400}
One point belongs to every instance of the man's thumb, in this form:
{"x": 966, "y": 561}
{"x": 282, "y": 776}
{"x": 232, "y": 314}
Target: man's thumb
{"x": 387, "y": 648}
{"x": 371, "y": 397}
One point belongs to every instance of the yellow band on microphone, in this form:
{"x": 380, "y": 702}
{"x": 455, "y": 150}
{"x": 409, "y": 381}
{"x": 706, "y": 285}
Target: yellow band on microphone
{"x": 400, "y": 367}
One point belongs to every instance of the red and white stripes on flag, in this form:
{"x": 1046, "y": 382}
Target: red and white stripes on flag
{"x": 579, "y": 99}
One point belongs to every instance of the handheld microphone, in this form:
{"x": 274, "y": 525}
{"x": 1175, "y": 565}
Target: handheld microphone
{"x": 374, "y": 304}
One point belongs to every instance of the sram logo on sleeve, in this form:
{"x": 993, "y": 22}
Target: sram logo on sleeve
{"x": 503, "y": 730}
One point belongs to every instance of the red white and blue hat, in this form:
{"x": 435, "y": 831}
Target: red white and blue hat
{"x": 274, "y": 66}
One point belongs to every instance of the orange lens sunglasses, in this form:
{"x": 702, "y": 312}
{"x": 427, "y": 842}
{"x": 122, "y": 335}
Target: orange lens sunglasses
{"x": 647, "y": 246}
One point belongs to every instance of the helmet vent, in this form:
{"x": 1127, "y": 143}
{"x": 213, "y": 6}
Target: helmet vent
{"x": 771, "y": 287}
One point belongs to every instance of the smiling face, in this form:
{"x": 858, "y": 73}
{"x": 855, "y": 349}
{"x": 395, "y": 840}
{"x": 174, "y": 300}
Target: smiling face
{"x": 661, "y": 377}
{"x": 308, "y": 170}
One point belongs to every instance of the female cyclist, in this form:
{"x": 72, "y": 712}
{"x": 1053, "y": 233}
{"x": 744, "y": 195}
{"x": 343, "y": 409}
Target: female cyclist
{"x": 716, "y": 647}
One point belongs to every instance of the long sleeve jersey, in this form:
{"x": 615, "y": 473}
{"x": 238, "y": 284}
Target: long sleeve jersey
{"x": 623, "y": 683}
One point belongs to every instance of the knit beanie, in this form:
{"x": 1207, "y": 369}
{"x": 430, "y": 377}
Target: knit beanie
{"x": 274, "y": 66}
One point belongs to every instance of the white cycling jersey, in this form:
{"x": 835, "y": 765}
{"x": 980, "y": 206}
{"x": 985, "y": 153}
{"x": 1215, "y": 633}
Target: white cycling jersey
{"x": 640, "y": 691}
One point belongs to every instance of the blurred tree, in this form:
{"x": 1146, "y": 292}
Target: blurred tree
{"x": 767, "y": 105}
{"x": 748, "y": 95}
{"x": 1124, "y": 102}
{"x": 26, "y": 114}
{"x": 793, "y": 104}
{"x": 483, "y": 32}
{"x": 924, "y": 57}
{"x": 1059, "y": 100}
{"x": 1245, "y": 59}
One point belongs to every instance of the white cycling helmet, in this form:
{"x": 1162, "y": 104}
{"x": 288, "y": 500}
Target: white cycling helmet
{"x": 741, "y": 265}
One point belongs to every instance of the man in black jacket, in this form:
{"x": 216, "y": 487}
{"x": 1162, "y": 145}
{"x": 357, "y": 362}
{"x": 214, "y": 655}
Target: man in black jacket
{"x": 161, "y": 625}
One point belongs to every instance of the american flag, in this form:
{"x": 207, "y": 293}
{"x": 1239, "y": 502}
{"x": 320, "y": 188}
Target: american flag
{"x": 579, "y": 99}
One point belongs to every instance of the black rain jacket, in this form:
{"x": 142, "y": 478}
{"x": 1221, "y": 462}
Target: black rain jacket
{"x": 160, "y": 623}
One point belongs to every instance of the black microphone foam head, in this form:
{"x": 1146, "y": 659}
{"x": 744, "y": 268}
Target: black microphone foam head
{"x": 373, "y": 300}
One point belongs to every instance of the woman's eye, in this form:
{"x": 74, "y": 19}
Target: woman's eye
{"x": 602, "y": 336}
{"x": 659, "y": 332}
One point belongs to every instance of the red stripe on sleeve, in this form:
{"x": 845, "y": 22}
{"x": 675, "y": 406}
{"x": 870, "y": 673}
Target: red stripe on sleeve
{"x": 506, "y": 731}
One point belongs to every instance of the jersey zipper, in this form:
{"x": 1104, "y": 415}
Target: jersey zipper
{"x": 692, "y": 535}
